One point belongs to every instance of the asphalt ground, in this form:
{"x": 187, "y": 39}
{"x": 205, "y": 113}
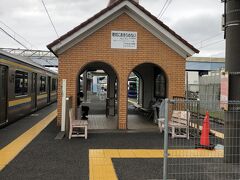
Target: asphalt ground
{"x": 187, "y": 169}
{"x": 47, "y": 158}
{"x": 12, "y": 131}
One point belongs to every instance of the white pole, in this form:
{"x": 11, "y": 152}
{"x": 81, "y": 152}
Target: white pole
{"x": 85, "y": 86}
{"x": 64, "y": 94}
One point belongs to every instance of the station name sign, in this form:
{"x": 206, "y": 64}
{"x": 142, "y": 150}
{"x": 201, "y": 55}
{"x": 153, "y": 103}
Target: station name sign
{"x": 123, "y": 40}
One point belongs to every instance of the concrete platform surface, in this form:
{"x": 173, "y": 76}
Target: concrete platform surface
{"x": 47, "y": 158}
{"x": 12, "y": 131}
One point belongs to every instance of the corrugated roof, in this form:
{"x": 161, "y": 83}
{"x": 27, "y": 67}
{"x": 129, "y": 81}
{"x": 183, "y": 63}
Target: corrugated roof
{"x": 206, "y": 59}
{"x": 204, "y": 66}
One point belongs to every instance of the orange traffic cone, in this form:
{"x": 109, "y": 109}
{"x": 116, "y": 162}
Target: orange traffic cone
{"x": 204, "y": 140}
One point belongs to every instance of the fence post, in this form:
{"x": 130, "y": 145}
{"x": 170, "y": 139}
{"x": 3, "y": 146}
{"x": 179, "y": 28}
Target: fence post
{"x": 68, "y": 106}
{"x": 165, "y": 164}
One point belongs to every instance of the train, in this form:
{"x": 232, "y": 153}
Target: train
{"x": 25, "y": 87}
{"x": 132, "y": 89}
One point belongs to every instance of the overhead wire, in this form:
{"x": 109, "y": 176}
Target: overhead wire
{"x": 26, "y": 48}
{"x": 201, "y": 47}
{"x": 209, "y": 38}
{"x": 15, "y": 33}
{"x": 13, "y": 38}
{"x": 49, "y": 17}
{"x": 164, "y": 8}
{"x": 170, "y": 1}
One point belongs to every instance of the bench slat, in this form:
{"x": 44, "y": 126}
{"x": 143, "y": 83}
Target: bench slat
{"x": 179, "y": 120}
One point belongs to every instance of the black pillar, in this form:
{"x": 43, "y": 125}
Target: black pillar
{"x": 232, "y": 65}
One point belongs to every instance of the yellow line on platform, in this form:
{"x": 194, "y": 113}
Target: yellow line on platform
{"x": 101, "y": 166}
{"x": 9, "y": 152}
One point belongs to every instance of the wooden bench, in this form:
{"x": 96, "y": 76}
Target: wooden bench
{"x": 178, "y": 124}
{"x": 77, "y": 124}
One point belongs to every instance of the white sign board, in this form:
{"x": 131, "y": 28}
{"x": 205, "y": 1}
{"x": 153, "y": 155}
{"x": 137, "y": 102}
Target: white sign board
{"x": 123, "y": 40}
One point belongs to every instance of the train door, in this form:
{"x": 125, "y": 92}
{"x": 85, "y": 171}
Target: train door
{"x": 49, "y": 90}
{"x": 3, "y": 94}
{"x": 34, "y": 91}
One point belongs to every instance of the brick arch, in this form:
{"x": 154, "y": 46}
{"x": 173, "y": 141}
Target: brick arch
{"x": 149, "y": 62}
{"x": 140, "y": 75}
{"x": 87, "y": 65}
{"x": 154, "y": 64}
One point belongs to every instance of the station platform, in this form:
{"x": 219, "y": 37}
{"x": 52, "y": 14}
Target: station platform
{"x": 103, "y": 156}
{"x": 11, "y": 132}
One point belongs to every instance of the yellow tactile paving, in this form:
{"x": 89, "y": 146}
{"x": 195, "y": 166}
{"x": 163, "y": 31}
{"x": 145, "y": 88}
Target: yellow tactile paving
{"x": 9, "y": 152}
{"x": 195, "y": 153}
{"x": 111, "y": 153}
{"x": 141, "y": 153}
{"x": 101, "y": 166}
{"x": 97, "y": 153}
{"x": 126, "y": 153}
{"x": 155, "y": 153}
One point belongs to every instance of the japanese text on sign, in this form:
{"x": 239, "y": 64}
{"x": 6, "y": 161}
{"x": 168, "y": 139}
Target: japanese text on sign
{"x": 124, "y": 40}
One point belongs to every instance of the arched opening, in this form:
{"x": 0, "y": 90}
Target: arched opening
{"x": 135, "y": 84}
{"x": 97, "y": 95}
{"x": 147, "y": 87}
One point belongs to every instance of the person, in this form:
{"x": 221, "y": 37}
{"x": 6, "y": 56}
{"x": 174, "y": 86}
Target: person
{"x": 84, "y": 109}
{"x": 157, "y": 106}
{"x": 79, "y": 96}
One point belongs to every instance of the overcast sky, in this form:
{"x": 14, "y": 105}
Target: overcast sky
{"x": 197, "y": 21}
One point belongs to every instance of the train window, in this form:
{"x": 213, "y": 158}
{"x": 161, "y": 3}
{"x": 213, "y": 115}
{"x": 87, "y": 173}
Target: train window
{"x": 160, "y": 86}
{"x": 42, "y": 84}
{"x": 21, "y": 83}
{"x": 54, "y": 84}
{"x": 132, "y": 86}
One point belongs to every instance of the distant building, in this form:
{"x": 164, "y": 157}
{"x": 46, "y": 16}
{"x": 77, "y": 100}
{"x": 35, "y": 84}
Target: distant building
{"x": 199, "y": 66}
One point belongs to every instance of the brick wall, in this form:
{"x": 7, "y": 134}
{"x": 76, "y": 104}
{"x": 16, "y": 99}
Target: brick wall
{"x": 97, "y": 47}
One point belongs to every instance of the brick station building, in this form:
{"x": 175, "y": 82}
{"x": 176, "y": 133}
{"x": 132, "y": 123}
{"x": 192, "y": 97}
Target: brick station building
{"x": 123, "y": 38}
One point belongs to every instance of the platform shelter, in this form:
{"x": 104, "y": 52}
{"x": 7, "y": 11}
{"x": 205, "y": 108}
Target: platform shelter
{"x": 121, "y": 39}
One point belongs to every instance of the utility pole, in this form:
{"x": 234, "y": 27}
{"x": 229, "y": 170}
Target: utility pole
{"x": 232, "y": 65}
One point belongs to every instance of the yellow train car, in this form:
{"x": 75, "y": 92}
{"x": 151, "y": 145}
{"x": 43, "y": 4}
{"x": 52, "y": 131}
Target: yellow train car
{"x": 24, "y": 87}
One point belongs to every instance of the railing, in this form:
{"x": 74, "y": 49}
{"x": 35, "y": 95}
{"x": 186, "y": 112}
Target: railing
{"x": 183, "y": 159}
